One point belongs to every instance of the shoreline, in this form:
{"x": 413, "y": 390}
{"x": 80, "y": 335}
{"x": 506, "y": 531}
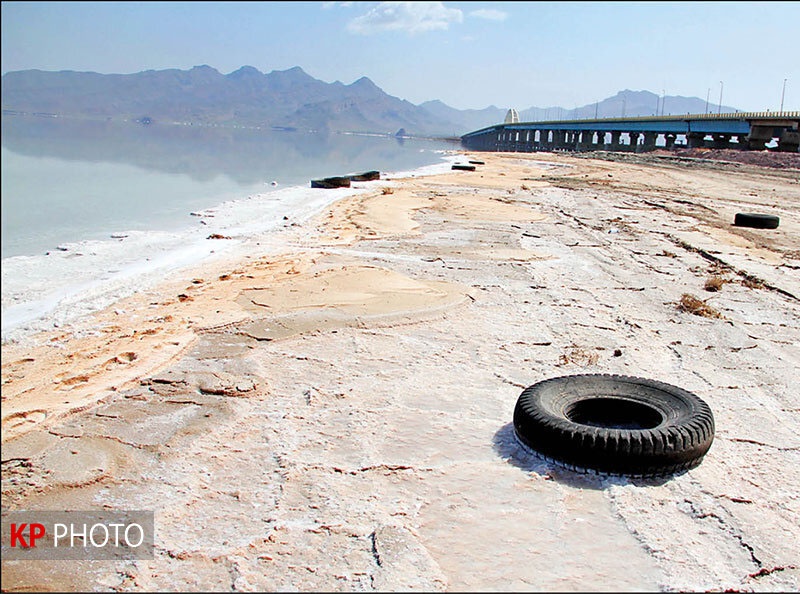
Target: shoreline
{"x": 107, "y": 270}
{"x": 337, "y": 416}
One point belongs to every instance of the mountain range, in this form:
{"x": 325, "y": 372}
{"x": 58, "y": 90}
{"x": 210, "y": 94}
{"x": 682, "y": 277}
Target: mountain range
{"x": 284, "y": 99}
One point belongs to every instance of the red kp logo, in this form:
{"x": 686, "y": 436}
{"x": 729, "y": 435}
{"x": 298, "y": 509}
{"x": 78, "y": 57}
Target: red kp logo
{"x": 35, "y": 532}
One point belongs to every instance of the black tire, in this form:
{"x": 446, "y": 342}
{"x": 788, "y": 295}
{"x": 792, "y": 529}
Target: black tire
{"x": 366, "y": 176}
{"x": 757, "y": 221}
{"x": 615, "y": 424}
{"x": 463, "y": 167}
{"x": 331, "y": 182}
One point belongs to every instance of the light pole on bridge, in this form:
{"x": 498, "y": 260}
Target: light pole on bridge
{"x": 707, "y": 97}
{"x": 719, "y": 110}
{"x": 783, "y": 93}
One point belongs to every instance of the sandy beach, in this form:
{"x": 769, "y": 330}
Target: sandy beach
{"x": 337, "y": 415}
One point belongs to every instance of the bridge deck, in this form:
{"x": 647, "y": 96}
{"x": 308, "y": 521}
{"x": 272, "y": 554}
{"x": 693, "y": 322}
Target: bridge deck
{"x": 752, "y": 130}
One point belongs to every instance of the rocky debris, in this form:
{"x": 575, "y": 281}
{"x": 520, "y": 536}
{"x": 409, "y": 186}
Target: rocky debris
{"x": 772, "y": 159}
{"x": 703, "y": 157}
{"x": 219, "y": 383}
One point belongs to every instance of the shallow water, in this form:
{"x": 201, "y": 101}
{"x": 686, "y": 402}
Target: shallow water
{"x": 72, "y": 180}
{"x": 89, "y": 208}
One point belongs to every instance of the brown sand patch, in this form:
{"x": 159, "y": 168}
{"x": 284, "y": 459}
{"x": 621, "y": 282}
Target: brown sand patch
{"x": 341, "y": 294}
{"x": 737, "y": 241}
{"x": 508, "y": 174}
{"x": 477, "y": 207}
{"x": 67, "y": 371}
{"x": 271, "y": 298}
{"x": 491, "y": 254}
{"x": 29, "y": 417}
{"x": 371, "y": 216}
{"x": 393, "y": 215}
{"x": 353, "y": 290}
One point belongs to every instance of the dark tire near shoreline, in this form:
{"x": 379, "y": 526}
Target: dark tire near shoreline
{"x": 756, "y": 221}
{"x": 366, "y": 176}
{"x": 615, "y": 424}
{"x": 331, "y": 182}
{"x": 463, "y": 167}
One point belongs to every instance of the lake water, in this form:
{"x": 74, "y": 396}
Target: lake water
{"x": 91, "y": 209}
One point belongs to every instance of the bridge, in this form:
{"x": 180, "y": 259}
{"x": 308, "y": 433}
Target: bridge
{"x": 740, "y": 130}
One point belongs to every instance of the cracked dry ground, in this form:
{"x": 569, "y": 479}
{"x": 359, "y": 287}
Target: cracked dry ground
{"x": 368, "y": 445}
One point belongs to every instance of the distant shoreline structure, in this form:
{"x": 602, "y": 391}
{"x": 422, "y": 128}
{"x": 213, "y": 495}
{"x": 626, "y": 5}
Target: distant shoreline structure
{"x": 267, "y": 128}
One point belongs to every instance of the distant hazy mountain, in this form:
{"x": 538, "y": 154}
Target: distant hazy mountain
{"x": 288, "y": 98}
{"x": 465, "y": 120}
{"x": 284, "y": 98}
{"x": 627, "y": 103}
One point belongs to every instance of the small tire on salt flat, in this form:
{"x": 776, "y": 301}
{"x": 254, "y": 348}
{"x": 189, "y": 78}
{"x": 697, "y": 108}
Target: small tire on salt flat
{"x": 755, "y": 220}
{"x": 615, "y": 424}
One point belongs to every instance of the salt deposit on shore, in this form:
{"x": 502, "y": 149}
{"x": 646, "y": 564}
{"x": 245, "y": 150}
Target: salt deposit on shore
{"x": 56, "y": 288}
{"x": 336, "y": 415}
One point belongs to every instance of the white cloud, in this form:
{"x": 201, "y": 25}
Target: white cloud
{"x": 412, "y": 17}
{"x": 489, "y": 14}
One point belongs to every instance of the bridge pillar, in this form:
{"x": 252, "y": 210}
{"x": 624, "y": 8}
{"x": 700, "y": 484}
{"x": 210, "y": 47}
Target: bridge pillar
{"x": 547, "y": 143}
{"x": 758, "y": 137}
{"x": 601, "y": 141}
{"x": 586, "y": 143}
{"x": 615, "y": 140}
{"x": 695, "y": 139}
{"x": 722, "y": 141}
{"x": 649, "y": 141}
{"x": 634, "y": 141}
{"x": 669, "y": 139}
{"x": 789, "y": 141}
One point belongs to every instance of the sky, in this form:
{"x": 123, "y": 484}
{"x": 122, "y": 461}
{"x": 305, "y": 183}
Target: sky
{"x": 470, "y": 55}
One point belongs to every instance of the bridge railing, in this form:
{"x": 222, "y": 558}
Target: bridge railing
{"x": 739, "y": 115}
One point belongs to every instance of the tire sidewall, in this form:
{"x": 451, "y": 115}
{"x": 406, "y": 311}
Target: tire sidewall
{"x": 681, "y": 439}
